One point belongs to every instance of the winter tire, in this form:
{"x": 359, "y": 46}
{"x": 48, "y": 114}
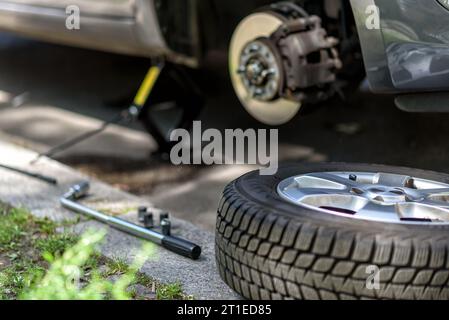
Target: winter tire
{"x": 269, "y": 247}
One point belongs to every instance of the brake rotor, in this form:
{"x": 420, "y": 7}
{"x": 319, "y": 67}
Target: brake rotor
{"x": 251, "y": 55}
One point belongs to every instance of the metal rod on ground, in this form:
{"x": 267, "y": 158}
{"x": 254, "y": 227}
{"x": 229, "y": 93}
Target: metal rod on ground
{"x": 82, "y": 137}
{"x": 174, "y": 244}
{"x": 128, "y": 114}
{"x": 34, "y": 175}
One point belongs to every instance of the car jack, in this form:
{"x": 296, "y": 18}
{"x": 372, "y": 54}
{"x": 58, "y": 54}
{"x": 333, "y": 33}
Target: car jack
{"x": 126, "y": 116}
{"x": 174, "y": 244}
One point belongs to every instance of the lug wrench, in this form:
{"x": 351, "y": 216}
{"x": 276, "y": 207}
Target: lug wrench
{"x": 174, "y": 244}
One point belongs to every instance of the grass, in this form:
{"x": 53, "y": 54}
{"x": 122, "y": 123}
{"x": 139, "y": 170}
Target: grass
{"x": 17, "y": 277}
{"x": 55, "y": 244}
{"x": 116, "y": 266}
{"x": 171, "y": 291}
{"x": 20, "y": 261}
{"x": 37, "y": 262}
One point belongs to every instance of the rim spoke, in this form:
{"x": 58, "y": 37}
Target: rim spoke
{"x": 374, "y": 211}
{"x": 306, "y": 194}
{"x": 435, "y": 203}
{"x": 325, "y": 191}
{"x": 339, "y": 203}
{"x": 333, "y": 178}
{"x": 435, "y": 192}
{"x": 424, "y": 211}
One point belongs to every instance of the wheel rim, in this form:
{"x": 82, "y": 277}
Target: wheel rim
{"x": 260, "y": 71}
{"x": 382, "y": 197}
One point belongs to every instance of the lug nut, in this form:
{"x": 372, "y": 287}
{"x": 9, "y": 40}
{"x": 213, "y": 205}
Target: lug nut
{"x": 165, "y": 227}
{"x": 352, "y": 177}
{"x": 141, "y": 212}
{"x": 241, "y": 70}
{"x": 162, "y": 216}
{"x": 148, "y": 221}
{"x": 254, "y": 48}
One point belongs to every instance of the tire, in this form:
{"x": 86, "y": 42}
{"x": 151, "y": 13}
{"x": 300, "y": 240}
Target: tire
{"x": 268, "y": 248}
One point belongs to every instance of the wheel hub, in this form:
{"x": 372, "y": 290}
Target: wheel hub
{"x": 259, "y": 70}
{"x": 380, "y": 197}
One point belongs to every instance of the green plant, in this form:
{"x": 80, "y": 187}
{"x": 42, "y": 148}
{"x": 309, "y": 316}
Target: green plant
{"x": 12, "y": 228}
{"x": 18, "y": 276}
{"x": 63, "y": 279}
{"x": 116, "y": 266}
{"x": 36, "y": 262}
{"x": 55, "y": 244}
{"x": 171, "y": 291}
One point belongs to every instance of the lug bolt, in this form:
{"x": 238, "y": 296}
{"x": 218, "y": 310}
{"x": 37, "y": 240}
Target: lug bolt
{"x": 241, "y": 70}
{"x": 254, "y": 48}
{"x": 141, "y": 212}
{"x": 148, "y": 221}
{"x": 163, "y": 216}
{"x": 258, "y": 92}
{"x": 165, "y": 227}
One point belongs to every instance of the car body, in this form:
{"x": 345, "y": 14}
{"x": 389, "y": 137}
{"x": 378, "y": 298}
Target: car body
{"x": 135, "y": 27}
{"x": 123, "y": 26}
{"x": 410, "y": 51}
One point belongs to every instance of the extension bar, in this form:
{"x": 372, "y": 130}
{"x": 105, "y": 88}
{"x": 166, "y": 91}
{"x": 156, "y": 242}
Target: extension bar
{"x": 174, "y": 244}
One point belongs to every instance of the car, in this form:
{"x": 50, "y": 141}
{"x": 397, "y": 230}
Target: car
{"x": 282, "y": 55}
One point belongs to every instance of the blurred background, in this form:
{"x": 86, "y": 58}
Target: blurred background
{"x": 49, "y": 93}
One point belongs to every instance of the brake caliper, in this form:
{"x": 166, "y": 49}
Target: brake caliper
{"x": 310, "y": 58}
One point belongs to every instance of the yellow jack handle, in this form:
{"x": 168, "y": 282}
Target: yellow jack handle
{"x": 147, "y": 85}
{"x": 131, "y": 113}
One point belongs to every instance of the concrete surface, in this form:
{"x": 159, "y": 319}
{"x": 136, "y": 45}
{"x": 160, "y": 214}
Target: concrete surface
{"x": 199, "y": 278}
{"x": 47, "y": 126}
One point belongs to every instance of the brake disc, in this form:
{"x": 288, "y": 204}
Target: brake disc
{"x": 280, "y": 58}
{"x": 255, "y": 26}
